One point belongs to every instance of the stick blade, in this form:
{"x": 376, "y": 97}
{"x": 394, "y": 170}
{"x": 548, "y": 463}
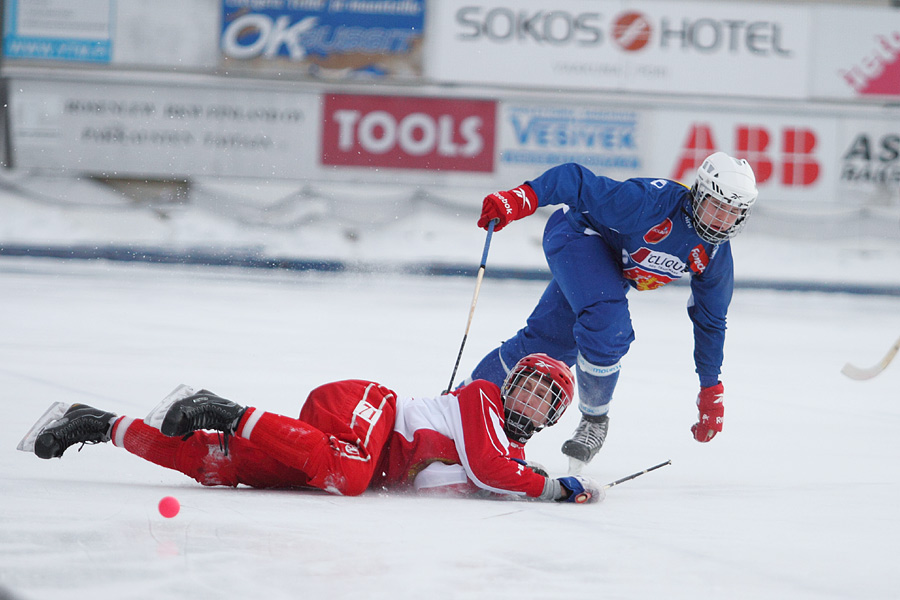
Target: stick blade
{"x": 859, "y": 374}
{"x": 854, "y": 372}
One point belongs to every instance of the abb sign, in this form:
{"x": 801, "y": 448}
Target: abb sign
{"x": 787, "y": 155}
{"x": 408, "y": 133}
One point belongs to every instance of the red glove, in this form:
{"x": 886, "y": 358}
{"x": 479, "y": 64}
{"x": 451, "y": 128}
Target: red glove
{"x": 712, "y": 413}
{"x": 508, "y": 206}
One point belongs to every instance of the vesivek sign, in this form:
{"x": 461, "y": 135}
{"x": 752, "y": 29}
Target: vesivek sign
{"x": 537, "y": 137}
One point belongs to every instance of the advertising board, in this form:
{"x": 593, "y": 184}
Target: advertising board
{"x": 334, "y": 38}
{"x": 796, "y": 155}
{"x": 846, "y": 158}
{"x": 413, "y": 133}
{"x": 868, "y": 162}
{"x": 792, "y": 155}
{"x": 164, "y": 131}
{"x": 857, "y": 53}
{"x": 716, "y": 49}
{"x": 58, "y": 30}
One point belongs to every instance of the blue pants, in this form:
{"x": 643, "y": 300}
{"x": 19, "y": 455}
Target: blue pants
{"x": 584, "y": 310}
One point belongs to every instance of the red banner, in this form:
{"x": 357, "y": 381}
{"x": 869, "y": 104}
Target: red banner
{"x": 408, "y": 133}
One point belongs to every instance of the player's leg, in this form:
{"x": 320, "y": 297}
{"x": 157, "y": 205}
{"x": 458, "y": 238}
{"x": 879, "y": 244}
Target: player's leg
{"x": 201, "y": 456}
{"x": 335, "y": 445}
{"x": 549, "y": 329}
{"x": 589, "y": 277}
{"x": 339, "y": 438}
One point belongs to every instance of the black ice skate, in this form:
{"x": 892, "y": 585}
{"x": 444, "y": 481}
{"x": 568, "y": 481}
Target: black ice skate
{"x": 586, "y": 441}
{"x": 80, "y": 424}
{"x": 203, "y": 410}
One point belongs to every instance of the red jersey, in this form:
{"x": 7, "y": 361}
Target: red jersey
{"x": 353, "y": 435}
{"x": 454, "y": 439}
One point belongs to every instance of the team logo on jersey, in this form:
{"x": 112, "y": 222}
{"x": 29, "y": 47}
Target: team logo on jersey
{"x": 698, "y": 259}
{"x": 659, "y": 261}
{"x": 643, "y": 280}
{"x": 654, "y": 269}
{"x": 659, "y": 232}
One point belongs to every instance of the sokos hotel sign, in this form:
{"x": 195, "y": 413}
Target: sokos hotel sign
{"x": 654, "y": 46}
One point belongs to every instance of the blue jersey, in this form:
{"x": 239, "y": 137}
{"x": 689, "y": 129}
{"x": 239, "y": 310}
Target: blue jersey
{"x": 648, "y": 223}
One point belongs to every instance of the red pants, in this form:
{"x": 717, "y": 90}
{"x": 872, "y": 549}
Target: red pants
{"x": 335, "y": 445}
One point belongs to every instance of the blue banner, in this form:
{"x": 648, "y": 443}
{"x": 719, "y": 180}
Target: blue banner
{"x": 375, "y": 37}
{"x": 58, "y": 30}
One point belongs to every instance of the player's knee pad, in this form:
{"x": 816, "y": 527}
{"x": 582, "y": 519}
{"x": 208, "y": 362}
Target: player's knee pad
{"x": 596, "y": 384}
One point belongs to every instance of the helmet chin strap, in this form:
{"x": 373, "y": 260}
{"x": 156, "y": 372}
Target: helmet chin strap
{"x": 518, "y": 427}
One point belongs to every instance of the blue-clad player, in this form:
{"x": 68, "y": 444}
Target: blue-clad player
{"x": 611, "y": 235}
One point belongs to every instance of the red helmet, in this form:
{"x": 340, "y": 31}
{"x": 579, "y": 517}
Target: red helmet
{"x": 536, "y": 393}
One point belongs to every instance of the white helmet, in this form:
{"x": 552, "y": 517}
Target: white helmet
{"x": 723, "y": 193}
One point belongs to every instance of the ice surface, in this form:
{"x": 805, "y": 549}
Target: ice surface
{"x": 797, "y": 498}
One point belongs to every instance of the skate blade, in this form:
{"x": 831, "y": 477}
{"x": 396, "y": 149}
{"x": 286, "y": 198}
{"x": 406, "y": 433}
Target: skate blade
{"x": 54, "y": 413}
{"x": 576, "y": 466}
{"x": 155, "y": 417}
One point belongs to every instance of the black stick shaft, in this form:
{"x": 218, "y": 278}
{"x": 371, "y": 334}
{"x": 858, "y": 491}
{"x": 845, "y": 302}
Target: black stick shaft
{"x": 481, "y": 269}
{"x": 638, "y": 474}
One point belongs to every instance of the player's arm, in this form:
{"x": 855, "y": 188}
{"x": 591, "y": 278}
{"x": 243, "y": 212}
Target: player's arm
{"x": 625, "y": 206}
{"x": 490, "y": 462}
{"x": 711, "y": 293}
{"x": 563, "y": 184}
{"x": 483, "y": 448}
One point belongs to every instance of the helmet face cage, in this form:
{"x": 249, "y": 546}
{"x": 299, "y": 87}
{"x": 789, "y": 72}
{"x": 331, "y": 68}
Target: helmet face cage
{"x": 711, "y": 212}
{"x": 533, "y": 399}
{"x": 722, "y": 195}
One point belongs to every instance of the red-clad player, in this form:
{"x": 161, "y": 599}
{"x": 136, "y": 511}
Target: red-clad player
{"x": 351, "y": 436}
